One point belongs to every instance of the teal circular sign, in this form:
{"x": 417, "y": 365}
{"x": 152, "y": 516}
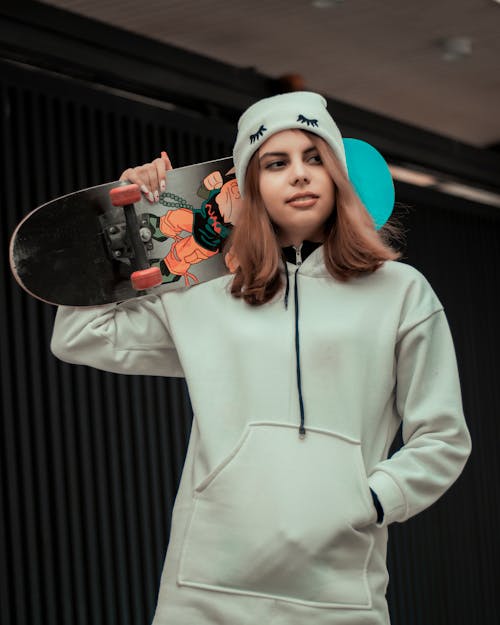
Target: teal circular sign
{"x": 371, "y": 178}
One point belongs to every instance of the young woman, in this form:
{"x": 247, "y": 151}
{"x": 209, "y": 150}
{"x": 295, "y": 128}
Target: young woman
{"x": 322, "y": 344}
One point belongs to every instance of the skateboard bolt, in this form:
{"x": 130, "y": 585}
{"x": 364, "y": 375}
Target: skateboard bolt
{"x": 117, "y": 253}
{"x": 145, "y": 234}
{"x": 113, "y": 230}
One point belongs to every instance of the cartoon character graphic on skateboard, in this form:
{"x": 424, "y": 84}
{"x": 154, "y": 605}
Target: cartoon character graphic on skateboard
{"x": 208, "y": 226}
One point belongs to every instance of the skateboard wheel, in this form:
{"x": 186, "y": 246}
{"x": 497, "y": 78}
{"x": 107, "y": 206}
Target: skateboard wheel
{"x": 125, "y": 194}
{"x": 146, "y": 278}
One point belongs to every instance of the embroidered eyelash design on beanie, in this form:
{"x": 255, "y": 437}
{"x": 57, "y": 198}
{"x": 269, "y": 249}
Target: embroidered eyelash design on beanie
{"x": 300, "y": 109}
{"x": 310, "y": 122}
{"x": 260, "y": 133}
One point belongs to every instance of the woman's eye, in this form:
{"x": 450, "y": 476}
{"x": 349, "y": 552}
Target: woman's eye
{"x": 275, "y": 164}
{"x": 316, "y": 159}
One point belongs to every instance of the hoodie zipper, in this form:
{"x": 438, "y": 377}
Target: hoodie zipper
{"x": 298, "y": 258}
{"x": 298, "y": 255}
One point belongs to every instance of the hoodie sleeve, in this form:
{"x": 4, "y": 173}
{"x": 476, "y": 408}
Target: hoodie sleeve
{"x": 435, "y": 435}
{"x": 131, "y": 338}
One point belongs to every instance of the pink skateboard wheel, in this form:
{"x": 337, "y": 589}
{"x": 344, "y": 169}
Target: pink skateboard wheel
{"x": 146, "y": 278}
{"x": 125, "y": 194}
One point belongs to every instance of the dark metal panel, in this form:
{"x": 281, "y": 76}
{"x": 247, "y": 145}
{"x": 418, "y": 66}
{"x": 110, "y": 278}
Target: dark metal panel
{"x": 11, "y": 540}
{"x": 442, "y": 560}
{"x": 24, "y": 367}
{"x": 96, "y": 52}
{"x": 90, "y": 462}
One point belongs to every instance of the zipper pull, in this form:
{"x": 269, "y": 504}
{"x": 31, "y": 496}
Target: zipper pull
{"x": 298, "y": 255}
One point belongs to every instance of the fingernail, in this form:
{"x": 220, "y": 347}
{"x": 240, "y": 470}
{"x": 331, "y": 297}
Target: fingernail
{"x": 144, "y": 189}
{"x": 164, "y": 154}
{"x": 150, "y": 197}
{"x": 163, "y": 186}
{"x": 157, "y": 196}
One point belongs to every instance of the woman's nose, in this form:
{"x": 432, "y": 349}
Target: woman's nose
{"x": 298, "y": 172}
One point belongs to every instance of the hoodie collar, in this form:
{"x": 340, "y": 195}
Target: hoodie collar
{"x": 306, "y": 250}
{"x": 313, "y": 263}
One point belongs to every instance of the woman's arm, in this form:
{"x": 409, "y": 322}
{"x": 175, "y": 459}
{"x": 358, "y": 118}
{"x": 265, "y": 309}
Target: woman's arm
{"x": 132, "y": 338}
{"x": 436, "y": 439}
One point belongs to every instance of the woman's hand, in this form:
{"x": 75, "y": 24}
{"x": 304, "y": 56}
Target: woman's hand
{"x": 150, "y": 177}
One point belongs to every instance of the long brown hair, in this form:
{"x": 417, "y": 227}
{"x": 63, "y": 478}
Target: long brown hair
{"x": 352, "y": 245}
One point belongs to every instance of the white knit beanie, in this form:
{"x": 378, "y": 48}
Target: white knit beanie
{"x": 300, "y": 109}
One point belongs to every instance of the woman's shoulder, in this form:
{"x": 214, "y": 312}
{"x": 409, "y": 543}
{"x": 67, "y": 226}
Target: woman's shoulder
{"x": 198, "y": 292}
{"x": 400, "y": 270}
{"x": 396, "y": 273}
{"x": 411, "y": 287}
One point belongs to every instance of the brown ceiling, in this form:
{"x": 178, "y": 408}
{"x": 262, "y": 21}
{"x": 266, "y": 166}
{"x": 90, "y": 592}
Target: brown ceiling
{"x": 379, "y": 55}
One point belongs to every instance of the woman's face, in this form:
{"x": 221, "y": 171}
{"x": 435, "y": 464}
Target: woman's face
{"x": 297, "y": 190}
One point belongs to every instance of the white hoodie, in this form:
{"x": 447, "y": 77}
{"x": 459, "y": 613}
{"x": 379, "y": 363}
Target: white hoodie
{"x": 270, "y": 527}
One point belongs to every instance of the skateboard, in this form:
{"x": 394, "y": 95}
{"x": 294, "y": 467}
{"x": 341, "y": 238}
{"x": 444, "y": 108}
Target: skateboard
{"x": 108, "y": 243}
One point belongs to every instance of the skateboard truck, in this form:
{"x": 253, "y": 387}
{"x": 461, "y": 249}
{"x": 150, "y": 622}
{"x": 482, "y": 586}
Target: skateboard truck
{"x": 128, "y": 239}
{"x": 115, "y": 230}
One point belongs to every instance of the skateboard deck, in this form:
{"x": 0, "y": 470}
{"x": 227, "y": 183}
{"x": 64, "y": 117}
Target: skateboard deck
{"x": 82, "y": 250}
{"x": 107, "y": 243}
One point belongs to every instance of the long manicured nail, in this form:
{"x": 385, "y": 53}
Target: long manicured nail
{"x": 163, "y": 185}
{"x": 157, "y": 196}
{"x": 144, "y": 189}
{"x": 151, "y": 197}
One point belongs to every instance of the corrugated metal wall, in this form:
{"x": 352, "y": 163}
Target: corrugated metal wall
{"x": 90, "y": 461}
{"x": 443, "y": 561}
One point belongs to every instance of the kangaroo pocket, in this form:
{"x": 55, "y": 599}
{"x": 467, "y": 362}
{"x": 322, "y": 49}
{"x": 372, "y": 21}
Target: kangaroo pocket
{"x": 284, "y": 517}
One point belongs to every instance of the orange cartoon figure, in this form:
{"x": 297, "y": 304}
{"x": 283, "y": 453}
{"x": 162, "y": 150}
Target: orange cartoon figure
{"x": 208, "y": 226}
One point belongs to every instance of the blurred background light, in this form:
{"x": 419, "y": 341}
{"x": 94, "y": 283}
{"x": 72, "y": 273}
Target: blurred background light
{"x": 325, "y": 4}
{"x": 455, "y": 48}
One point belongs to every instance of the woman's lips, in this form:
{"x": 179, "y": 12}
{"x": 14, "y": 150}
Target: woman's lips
{"x": 302, "y": 200}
